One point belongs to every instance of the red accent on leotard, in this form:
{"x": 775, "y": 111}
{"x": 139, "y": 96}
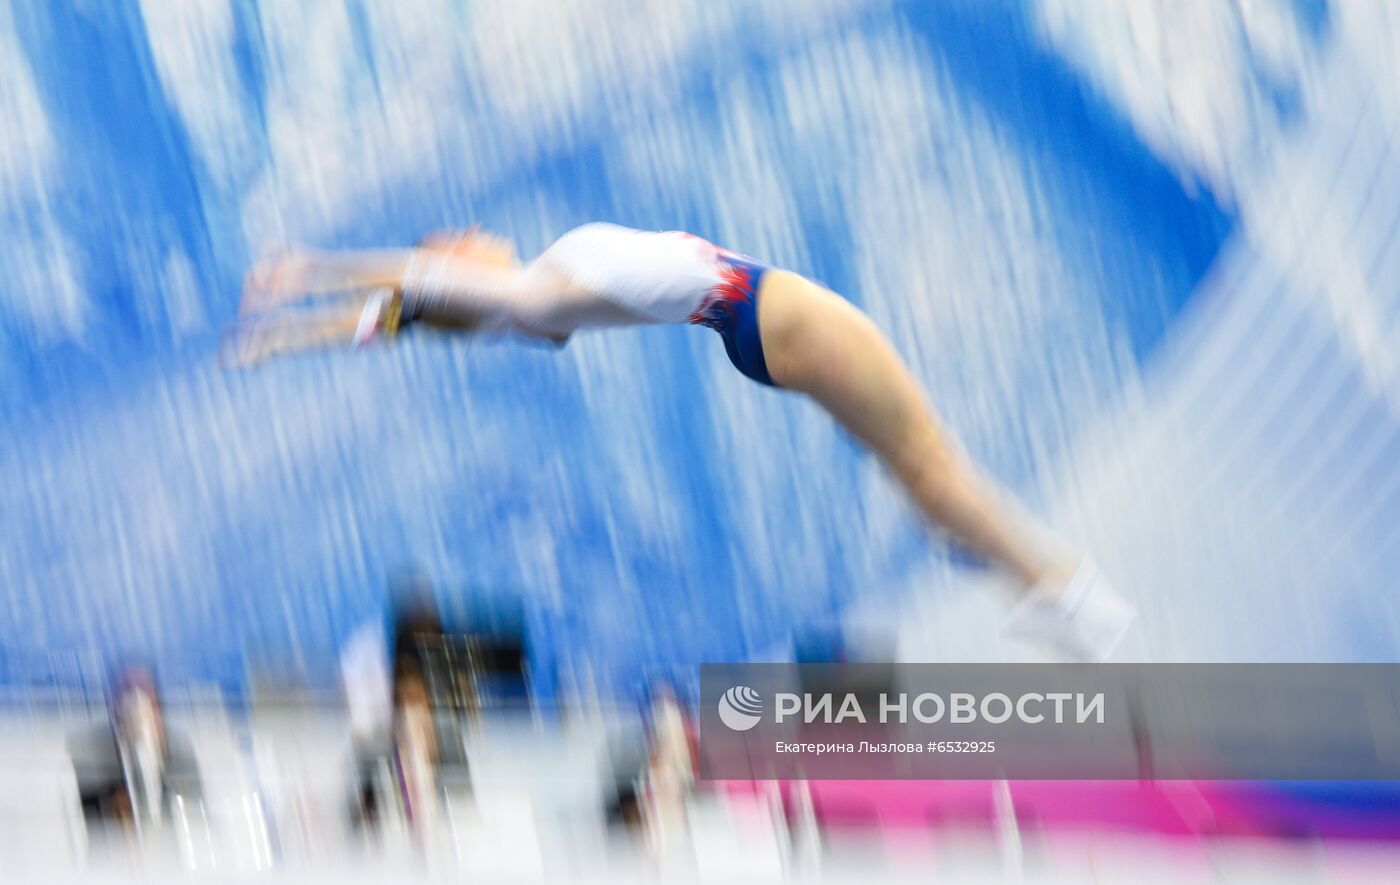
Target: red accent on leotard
{"x": 735, "y": 286}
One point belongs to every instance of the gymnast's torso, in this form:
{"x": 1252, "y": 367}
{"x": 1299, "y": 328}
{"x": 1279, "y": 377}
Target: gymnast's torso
{"x": 662, "y": 276}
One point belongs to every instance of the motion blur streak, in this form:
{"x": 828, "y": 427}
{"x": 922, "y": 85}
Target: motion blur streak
{"x": 1026, "y": 196}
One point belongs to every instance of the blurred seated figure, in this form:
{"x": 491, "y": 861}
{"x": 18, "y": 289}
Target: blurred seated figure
{"x": 652, "y": 784}
{"x": 413, "y": 760}
{"x": 670, "y": 773}
{"x": 406, "y": 713}
{"x": 130, "y": 770}
{"x": 423, "y": 762}
{"x": 368, "y": 665}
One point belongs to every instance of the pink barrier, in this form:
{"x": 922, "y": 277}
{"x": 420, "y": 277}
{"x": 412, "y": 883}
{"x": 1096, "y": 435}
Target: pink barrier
{"x": 1190, "y": 809}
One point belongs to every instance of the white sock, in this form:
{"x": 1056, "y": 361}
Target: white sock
{"x": 1084, "y": 621}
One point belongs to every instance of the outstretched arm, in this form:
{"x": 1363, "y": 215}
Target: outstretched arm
{"x": 446, "y": 288}
{"x": 257, "y": 338}
{"x": 299, "y": 274}
{"x": 441, "y": 288}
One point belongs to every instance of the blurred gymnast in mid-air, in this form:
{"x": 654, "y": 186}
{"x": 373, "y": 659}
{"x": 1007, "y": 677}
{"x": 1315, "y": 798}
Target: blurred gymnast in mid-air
{"x": 779, "y": 329}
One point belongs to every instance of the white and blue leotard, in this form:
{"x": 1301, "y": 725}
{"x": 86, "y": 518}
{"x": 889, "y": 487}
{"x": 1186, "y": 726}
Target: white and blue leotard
{"x": 670, "y": 277}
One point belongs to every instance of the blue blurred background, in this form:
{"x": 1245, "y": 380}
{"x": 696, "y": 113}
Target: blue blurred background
{"x": 1099, "y": 232}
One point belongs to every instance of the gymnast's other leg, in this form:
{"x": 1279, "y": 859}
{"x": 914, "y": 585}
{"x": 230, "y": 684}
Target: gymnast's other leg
{"x": 817, "y": 343}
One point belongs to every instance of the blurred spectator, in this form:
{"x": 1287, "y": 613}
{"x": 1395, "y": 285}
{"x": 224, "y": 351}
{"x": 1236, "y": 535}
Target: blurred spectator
{"x": 131, "y": 769}
{"x": 368, "y": 665}
{"x": 670, "y": 772}
{"x": 652, "y": 778}
{"x": 416, "y": 751}
{"x": 405, "y": 709}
